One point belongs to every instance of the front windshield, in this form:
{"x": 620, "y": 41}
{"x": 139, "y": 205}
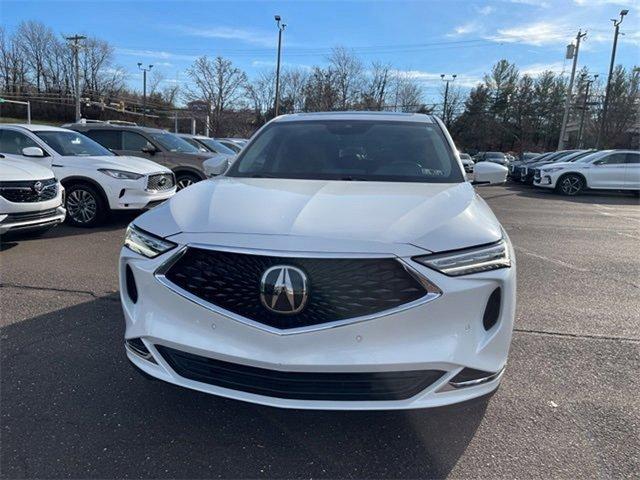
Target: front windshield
{"x": 350, "y": 150}
{"x": 216, "y": 146}
{"x": 173, "y": 143}
{"x": 72, "y": 144}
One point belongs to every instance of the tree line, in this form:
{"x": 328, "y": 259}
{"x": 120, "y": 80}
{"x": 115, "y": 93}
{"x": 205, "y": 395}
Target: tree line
{"x": 506, "y": 110}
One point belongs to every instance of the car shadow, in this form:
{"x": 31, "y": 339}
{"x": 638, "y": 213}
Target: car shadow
{"x": 72, "y": 406}
{"x": 608, "y": 197}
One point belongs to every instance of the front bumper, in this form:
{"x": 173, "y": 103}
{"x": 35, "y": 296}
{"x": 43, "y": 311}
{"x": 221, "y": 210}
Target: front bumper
{"x": 27, "y": 221}
{"x": 445, "y": 334}
{"x": 545, "y": 180}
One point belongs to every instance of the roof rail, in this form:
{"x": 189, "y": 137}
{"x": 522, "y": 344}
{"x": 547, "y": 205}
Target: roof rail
{"x": 122, "y": 122}
{"x": 111, "y": 122}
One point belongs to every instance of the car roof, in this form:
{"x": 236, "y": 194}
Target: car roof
{"x": 197, "y": 137}
{"x": 35, "y": 127}
{"x": 375, "y": 116}
{"x": 108, "y": 126}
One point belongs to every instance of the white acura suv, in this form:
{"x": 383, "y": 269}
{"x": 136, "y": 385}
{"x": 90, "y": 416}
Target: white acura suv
{"x": 96, "y": 180}
{"x": 342, "y": 262}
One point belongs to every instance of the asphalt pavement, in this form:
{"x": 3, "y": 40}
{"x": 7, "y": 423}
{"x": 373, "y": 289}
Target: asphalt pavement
{"x": 568, "y": 407}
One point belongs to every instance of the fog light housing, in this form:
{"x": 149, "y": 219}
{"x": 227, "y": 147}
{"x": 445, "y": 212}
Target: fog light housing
{"x": 130, "y": 283}
{"x": 137, "y": 347}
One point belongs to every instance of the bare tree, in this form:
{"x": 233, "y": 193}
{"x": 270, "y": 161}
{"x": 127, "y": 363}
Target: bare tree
{"x": 376, "y": 85}
{"x": 407, "y": 94}
{"x": 292, "y": 89}
{"x": 347, "y": 74}
{"x": 261, "y": 92}
{"x": 217, "y": 82}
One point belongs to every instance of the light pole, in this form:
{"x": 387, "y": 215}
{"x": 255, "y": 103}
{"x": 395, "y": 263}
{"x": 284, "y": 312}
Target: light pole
{"x": 75, "y": 47}
{"x": 446, "y": 96}
{"x": 616, "y": 24}
{"x": 567, "y": 100}
{"x": 144, "y": 91}
{"x": 584, "y": 107}
{"x": 281, "y": 27}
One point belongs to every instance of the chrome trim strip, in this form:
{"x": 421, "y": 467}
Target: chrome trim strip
{"x": 479, "y": 381}
{"x": 433, "y": 291}
{"x": 146, "y": 356}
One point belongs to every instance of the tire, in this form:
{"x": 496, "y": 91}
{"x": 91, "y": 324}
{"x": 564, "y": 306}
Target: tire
{"x": 183, "y": 180}
{"x": 85, "y": 205}
{"x": 570, "y": 184}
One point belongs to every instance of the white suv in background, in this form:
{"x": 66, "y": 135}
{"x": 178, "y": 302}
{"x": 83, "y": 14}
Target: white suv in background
{"x": 30, "y": 197}
{"x": 605, "y": 169}
{"x": 96, "y": 180}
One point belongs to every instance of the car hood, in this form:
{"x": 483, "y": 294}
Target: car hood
{"x": 15, "y": 169}
{"x": 124, "y": 162}
{"x": 433, "y": 217}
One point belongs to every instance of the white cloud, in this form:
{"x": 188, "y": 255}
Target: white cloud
{"x": 464, "y": 29}
{"x": 229, "y": 33}
{"x": 538, "y": 34}
{"x": 464, "y": 80}
{"x": 155, "y": 54}
{"x": 486, "y": 10}
{"x": 272, "y": 64}
{"x": 599, "y": 3}
{"x": 536, "y": 69}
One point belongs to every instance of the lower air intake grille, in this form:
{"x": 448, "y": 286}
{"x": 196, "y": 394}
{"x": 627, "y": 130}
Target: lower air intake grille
{"x": 300, "y": 385}
{"x": 338, "y": 288}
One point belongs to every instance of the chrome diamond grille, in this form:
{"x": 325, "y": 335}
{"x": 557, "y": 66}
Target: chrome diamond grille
{"x": 339, "y": 288}
{"x": 161, "y": 181}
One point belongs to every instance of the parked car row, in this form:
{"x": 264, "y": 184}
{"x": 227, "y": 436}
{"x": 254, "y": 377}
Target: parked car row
{"x": 570, "y": 172}
{"x": 89, "y": 169}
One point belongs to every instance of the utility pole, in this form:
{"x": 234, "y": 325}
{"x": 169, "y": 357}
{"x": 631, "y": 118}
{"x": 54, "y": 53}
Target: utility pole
{"x": 567, "y": 101}
{"x": 446, "y": 97}
{"x": 144, "y": 91}
{"x": 584, "y": 108}
{"x": 75, "y": 47}
{"x": 281, "y": 27}
{"x": 616, "y": 24}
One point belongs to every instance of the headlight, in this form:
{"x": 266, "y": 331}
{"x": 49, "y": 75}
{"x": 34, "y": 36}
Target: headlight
{"x": 145, "y": 243}
{"x": 472, "y": 260}
{"x": 551, "y": 170}
{"x": 121, "y": 174}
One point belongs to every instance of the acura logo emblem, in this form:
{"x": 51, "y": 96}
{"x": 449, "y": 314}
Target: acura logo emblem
{"x": 283, "y": 289}
{"x": 37, "y": 187}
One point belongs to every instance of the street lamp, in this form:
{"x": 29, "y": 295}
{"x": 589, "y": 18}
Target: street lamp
{"x": 585, "y": 102}
{"x": 616, "y": 24}
{"x": 144, "y": 90}
{"x": 281, "y": 27}
{"x": 446, "y": 96}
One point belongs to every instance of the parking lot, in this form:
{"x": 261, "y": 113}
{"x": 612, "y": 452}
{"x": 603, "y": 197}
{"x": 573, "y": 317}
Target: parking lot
{"x": 568, "y": 406}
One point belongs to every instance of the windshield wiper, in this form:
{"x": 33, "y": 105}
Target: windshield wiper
{"x": 352, "y": 179}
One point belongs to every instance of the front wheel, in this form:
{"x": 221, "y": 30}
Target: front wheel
{"x": 183, "y": 180}
{"x": 570, "y": 185}
{"x": 85, "y": 206}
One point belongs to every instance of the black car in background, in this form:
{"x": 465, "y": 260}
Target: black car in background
{"x": 515, "y": 167}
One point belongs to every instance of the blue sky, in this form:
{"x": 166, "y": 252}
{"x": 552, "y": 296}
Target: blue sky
{"x": 424, "y": 37}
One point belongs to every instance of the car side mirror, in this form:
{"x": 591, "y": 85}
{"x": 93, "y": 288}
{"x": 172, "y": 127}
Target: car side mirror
{"x": 35, "y": 152}
{"x": 489, "y": 173}
{"x": 150, "y": 149}
{"x": 215, "y": 166}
